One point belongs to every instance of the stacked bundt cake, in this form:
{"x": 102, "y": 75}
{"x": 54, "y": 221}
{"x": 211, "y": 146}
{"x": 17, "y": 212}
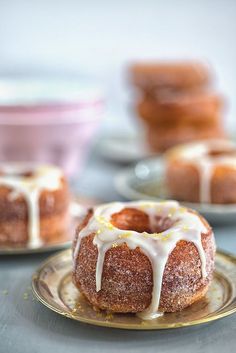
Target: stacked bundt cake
{"x": 176, "y": 103}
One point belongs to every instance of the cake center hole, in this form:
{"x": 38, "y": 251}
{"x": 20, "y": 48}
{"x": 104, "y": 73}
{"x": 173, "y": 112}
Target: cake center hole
{"x": 139, "y": 221}
{"x": 221, "y": 153}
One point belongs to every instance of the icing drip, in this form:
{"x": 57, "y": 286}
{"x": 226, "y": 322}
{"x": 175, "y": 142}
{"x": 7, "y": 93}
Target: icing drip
{"x": 198, "y": 155}
{"x": 44, "y": 178}
{"x": 205, "y": 169}
{"x": 156, "y": 246}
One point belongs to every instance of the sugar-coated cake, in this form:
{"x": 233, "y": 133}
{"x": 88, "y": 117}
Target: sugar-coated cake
{"x": 34, "y": 204}
{"x": 202, "y": 172}
{"x": 143, "y": 257}
{"x": 181, "y": 75}
{"x": 176, "y": 103}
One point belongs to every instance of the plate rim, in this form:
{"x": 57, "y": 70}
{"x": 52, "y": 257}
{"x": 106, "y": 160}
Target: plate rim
{"x": 36, "y": 275}
{"x": 125, "y": 190}
{"x": 145, "y": 152}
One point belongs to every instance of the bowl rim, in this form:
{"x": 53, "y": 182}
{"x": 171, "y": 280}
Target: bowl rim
{"x": 51, "y": 115}
{"x": 49, "y": 101}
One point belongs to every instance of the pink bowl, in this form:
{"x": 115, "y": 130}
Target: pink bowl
{"x": 48, "y": 127}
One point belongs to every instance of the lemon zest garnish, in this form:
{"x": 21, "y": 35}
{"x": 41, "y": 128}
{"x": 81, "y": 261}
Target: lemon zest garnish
{"x": 104, "y": 222}
{"x": 182, "y": 209}
{"x": 110, "y": 226}
{"x": 157, "y": 235}
{"x": 146, "y": 205}
{"x": 171, "y": 212}
{"x": 125, "y": 235}
{"x": 166, "y": 236}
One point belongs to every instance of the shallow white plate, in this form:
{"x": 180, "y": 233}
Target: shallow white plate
{"x": 124, "y": 148}
{"x": 145, "y": 180}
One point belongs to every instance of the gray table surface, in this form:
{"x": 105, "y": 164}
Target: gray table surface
{"x": 26, "y": 326}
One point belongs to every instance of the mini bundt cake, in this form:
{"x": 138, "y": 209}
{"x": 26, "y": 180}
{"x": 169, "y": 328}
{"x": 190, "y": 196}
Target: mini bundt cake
{"x": 185, "y": 75}
{"x": 143, "y": 257}
{"x": 199, "y": 110}
{"x": 161, "y": 139}
{"x": 176, "y": 103}
{"x": 34, "y": 204}
{"x": 202, "y": 172}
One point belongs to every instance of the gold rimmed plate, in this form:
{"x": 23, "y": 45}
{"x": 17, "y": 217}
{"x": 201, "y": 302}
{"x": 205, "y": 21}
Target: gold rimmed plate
{"x": 77, "y": 211}
{"x": 52, "y": 285}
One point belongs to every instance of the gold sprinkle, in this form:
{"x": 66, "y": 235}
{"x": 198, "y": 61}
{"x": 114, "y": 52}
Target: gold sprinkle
{"x": 145, "y": 234}
{"x": 125, "y": 235}
{"x": 182, "y": 209}
{"x": 99, "y": 314}
{"x": 155, "y": 235}
{"x": 104, "y": 222}
{"x": 166, "y": 236}
{"x": 25, "y": 296}
{"x": 185, "y": 228}
{"x": 114, "y": 245}
{"x": 146, "y": 205}
{"x": 171, "y": 212}
{"x": 144, "y": 323}
{"x": 100, "y": 218}
{"x": 110, "y": 226}
{"x": 109, "y": 317}
{"x": 99, "y": 231}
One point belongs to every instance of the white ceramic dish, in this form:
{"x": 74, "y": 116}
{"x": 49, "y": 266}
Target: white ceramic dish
{"x": 123, "y": 148}
{"x": 145, "y": 181}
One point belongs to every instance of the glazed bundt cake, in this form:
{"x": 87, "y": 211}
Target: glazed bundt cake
{"x": 143, "y": 257}
{"x": 202, "y": 172}
{"x": 34, "y": 204}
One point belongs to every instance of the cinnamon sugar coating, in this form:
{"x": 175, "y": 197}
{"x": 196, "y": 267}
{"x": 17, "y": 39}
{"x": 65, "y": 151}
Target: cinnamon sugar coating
{"x": 183, "y": 182}
{"x": 198, "y": 109}
{"x": 54, "y": 218}
{"x": 161, "y": 138}
{"x": 127, "y": 278}
{"x": 179, "y": 75}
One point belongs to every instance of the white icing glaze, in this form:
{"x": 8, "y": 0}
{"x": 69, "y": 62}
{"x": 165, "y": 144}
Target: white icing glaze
{"x": 44, "y": 177}
{"x": 197, "y": 154}
{"x": 156, "y": 246}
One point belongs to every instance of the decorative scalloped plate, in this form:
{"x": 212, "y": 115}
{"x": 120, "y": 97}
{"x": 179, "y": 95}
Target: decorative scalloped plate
{"x": 52, "y": 286}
